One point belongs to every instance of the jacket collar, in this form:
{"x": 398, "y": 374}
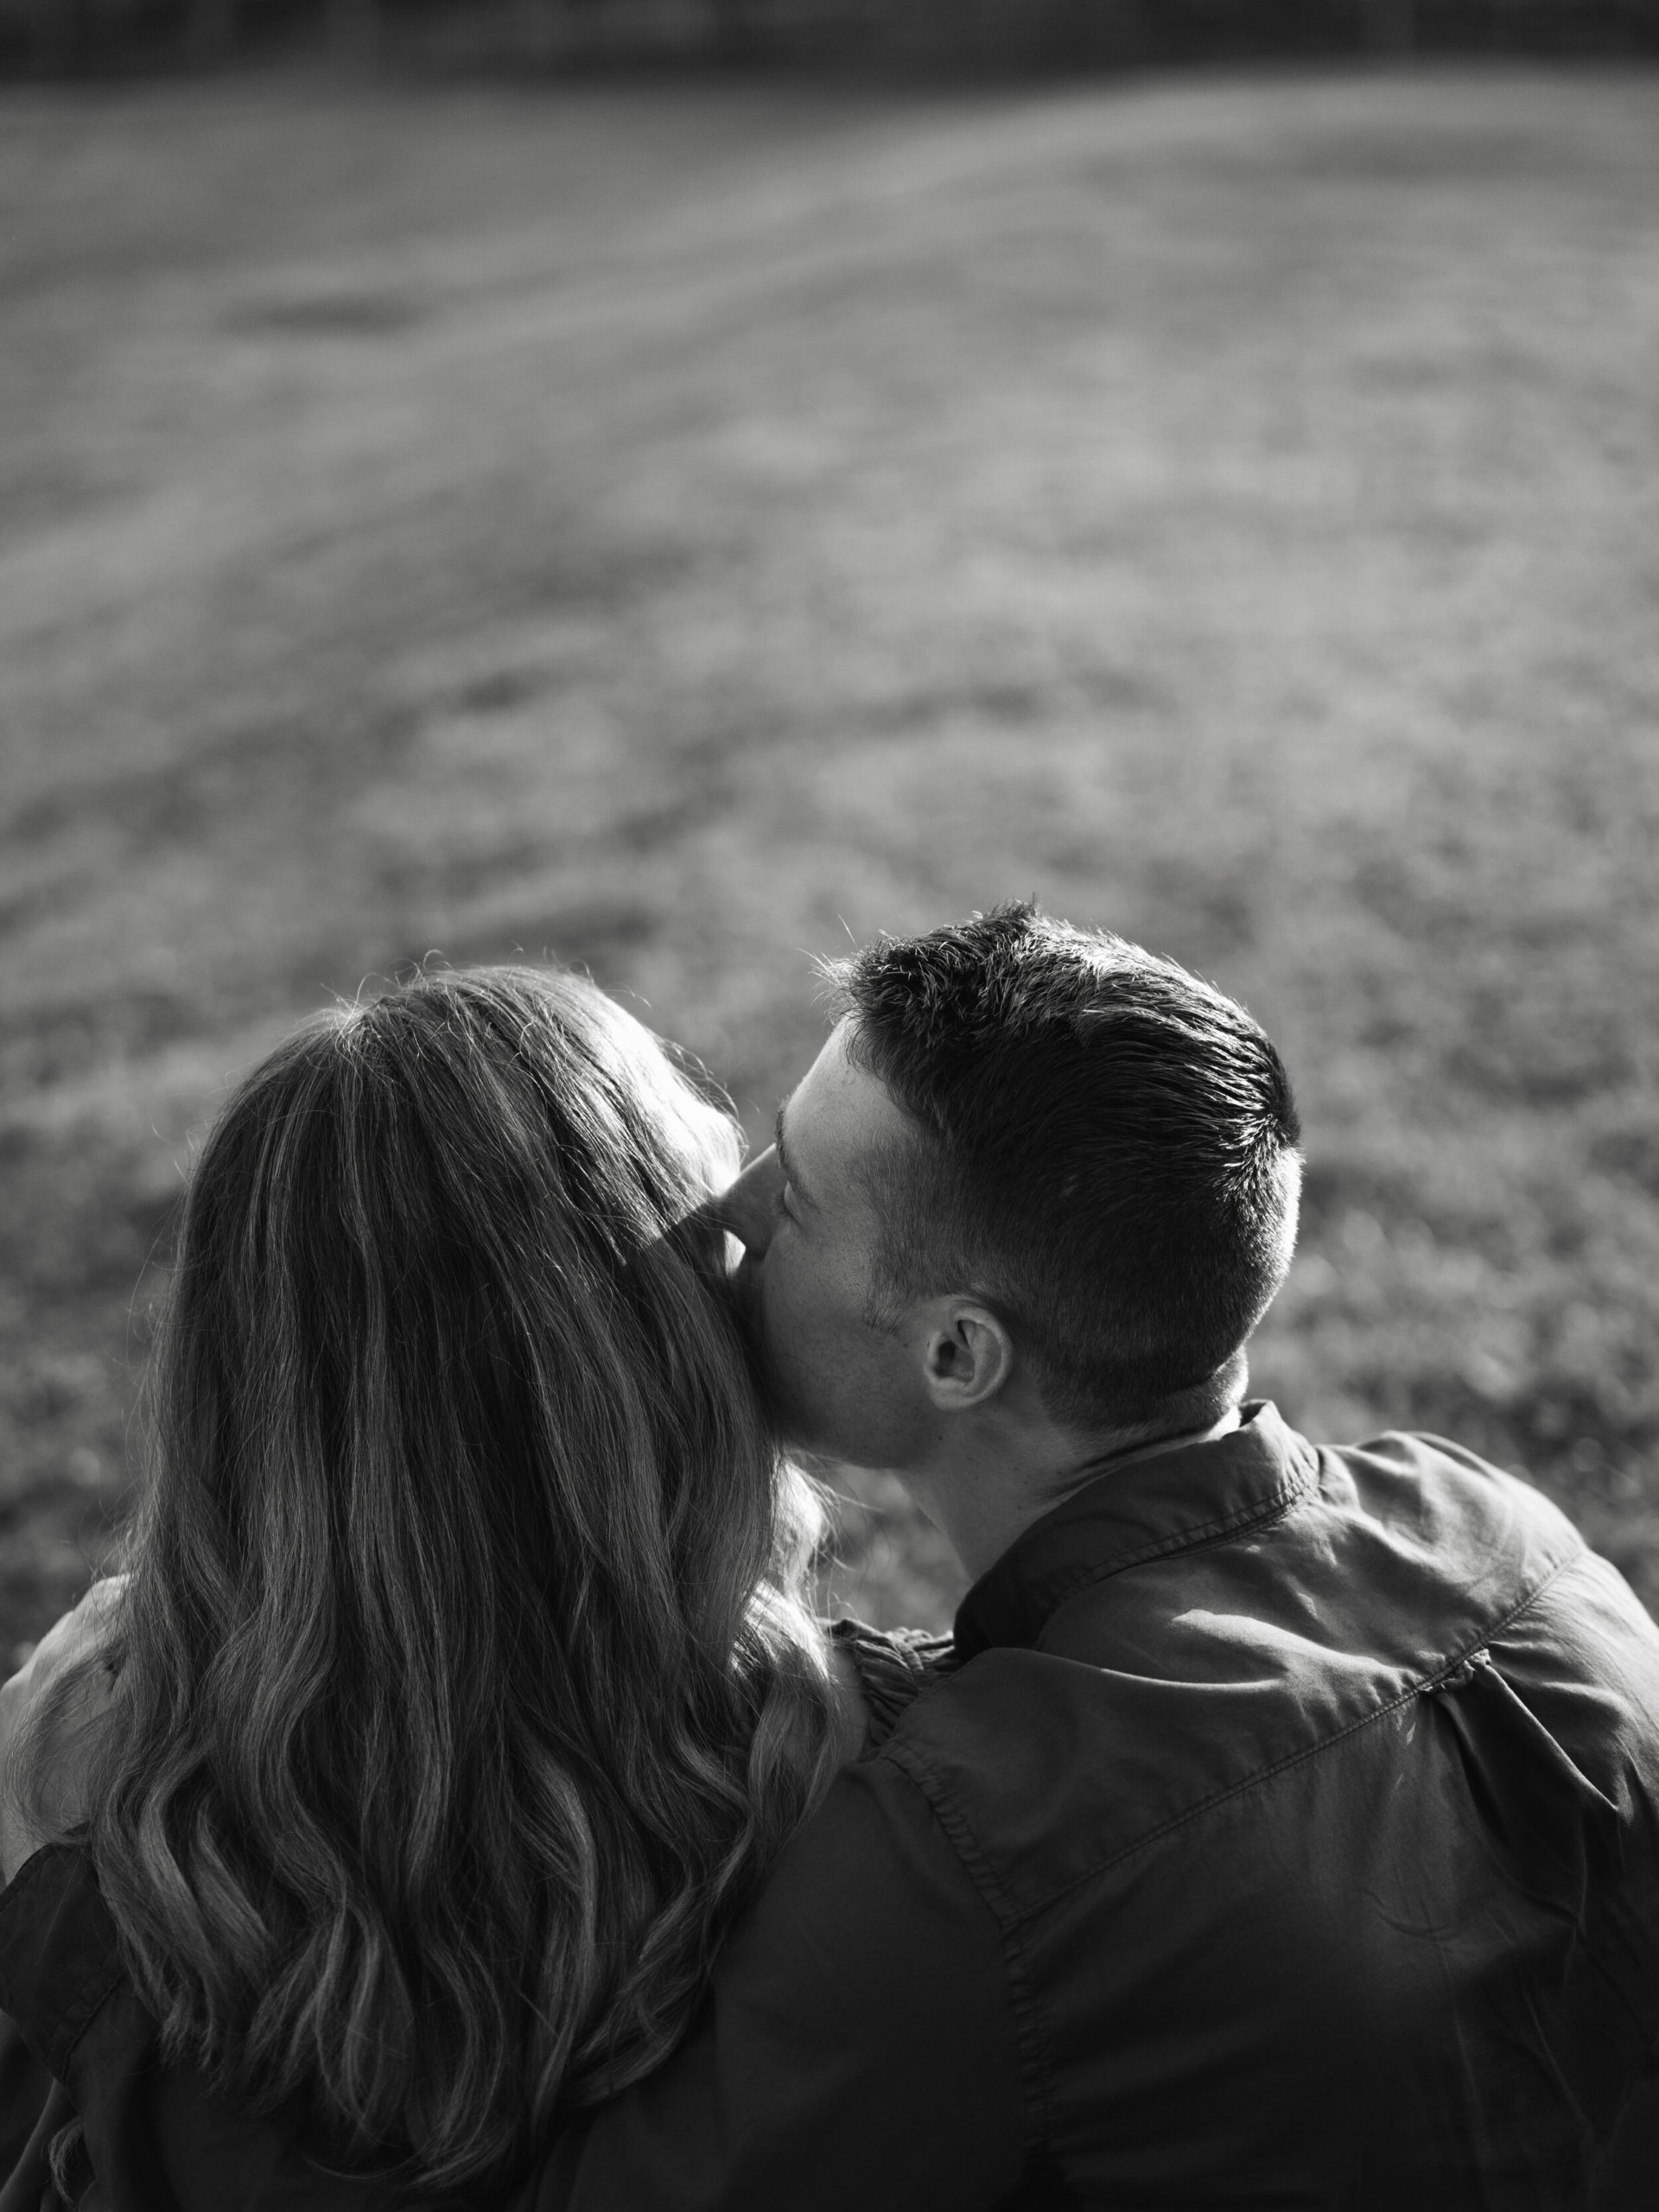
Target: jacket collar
{"x": 1137, "y": 1509}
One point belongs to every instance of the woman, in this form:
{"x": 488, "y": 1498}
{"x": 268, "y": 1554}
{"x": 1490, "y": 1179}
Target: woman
{"x": 462, "y": 1687}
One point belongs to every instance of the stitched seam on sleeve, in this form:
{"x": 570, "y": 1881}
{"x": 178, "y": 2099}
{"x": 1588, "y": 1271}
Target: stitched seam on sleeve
{"x": 27, "y": 1873}
{"x": 1036, "y": 2076}
{"x": 86, "y": 2003}
{"x": 1036, "y": 2089}
{"x": 74, "y": 2013}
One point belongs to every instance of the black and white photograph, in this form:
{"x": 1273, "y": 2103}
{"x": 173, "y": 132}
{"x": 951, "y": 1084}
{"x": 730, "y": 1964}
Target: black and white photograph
{"x": 829, "y": 1105}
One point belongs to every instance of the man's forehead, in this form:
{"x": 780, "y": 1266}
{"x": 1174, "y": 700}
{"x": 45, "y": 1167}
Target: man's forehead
{"x": 836, "y": 1115}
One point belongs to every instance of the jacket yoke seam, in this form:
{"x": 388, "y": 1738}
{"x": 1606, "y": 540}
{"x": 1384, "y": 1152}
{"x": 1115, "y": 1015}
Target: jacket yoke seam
{"x": 1012, "y": 1917}
{"x": 1312, "y": 1750}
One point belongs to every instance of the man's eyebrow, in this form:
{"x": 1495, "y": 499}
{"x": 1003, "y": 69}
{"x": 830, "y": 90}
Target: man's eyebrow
{"x": 788, "y": 1165}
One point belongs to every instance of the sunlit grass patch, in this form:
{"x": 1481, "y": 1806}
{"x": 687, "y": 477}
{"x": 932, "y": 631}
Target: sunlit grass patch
{"x": 676, "y": 529}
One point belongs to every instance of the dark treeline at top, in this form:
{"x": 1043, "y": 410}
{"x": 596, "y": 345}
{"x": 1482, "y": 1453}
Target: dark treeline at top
{"x": 55, "y": 37}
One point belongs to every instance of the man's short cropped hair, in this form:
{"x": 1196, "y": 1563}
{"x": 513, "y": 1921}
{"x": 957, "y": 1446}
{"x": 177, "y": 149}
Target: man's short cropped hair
{"x": 1104, "y": 1150}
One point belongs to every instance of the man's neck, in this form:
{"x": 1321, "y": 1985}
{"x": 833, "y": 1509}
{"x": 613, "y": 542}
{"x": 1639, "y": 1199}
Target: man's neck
{"x": 989, "y": 1496}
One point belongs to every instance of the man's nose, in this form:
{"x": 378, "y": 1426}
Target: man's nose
{"x": 748, "y": 1209}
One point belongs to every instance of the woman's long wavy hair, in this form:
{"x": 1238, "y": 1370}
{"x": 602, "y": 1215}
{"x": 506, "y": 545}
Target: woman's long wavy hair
{"x": 467, "y": 1686}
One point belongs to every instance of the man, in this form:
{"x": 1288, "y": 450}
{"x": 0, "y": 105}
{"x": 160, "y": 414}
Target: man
{"x": 1289, "y": 1834}
{"x": 1288, "y": 1831}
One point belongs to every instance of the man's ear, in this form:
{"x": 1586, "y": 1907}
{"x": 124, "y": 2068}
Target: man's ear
{"x": 967, "y": 1356}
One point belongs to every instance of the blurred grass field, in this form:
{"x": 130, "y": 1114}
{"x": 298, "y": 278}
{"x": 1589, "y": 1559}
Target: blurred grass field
{"x": 676, "y": 528}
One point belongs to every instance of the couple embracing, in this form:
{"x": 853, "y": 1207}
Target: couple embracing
{"x": 457, "y": 1802}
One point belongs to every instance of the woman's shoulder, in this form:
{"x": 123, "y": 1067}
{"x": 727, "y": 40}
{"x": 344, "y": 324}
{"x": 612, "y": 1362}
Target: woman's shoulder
{"x": 891, "y": 1667}
{"x": 51, "y": 1714}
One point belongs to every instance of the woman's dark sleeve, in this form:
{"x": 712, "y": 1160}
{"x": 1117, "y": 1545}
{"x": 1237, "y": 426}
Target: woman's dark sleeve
{"x": 154, "y": 2137}
{"x": 32, "y": 2107}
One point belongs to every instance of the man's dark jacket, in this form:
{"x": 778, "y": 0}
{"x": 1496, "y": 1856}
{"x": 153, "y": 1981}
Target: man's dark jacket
{"x": 1288, "y": 1836}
